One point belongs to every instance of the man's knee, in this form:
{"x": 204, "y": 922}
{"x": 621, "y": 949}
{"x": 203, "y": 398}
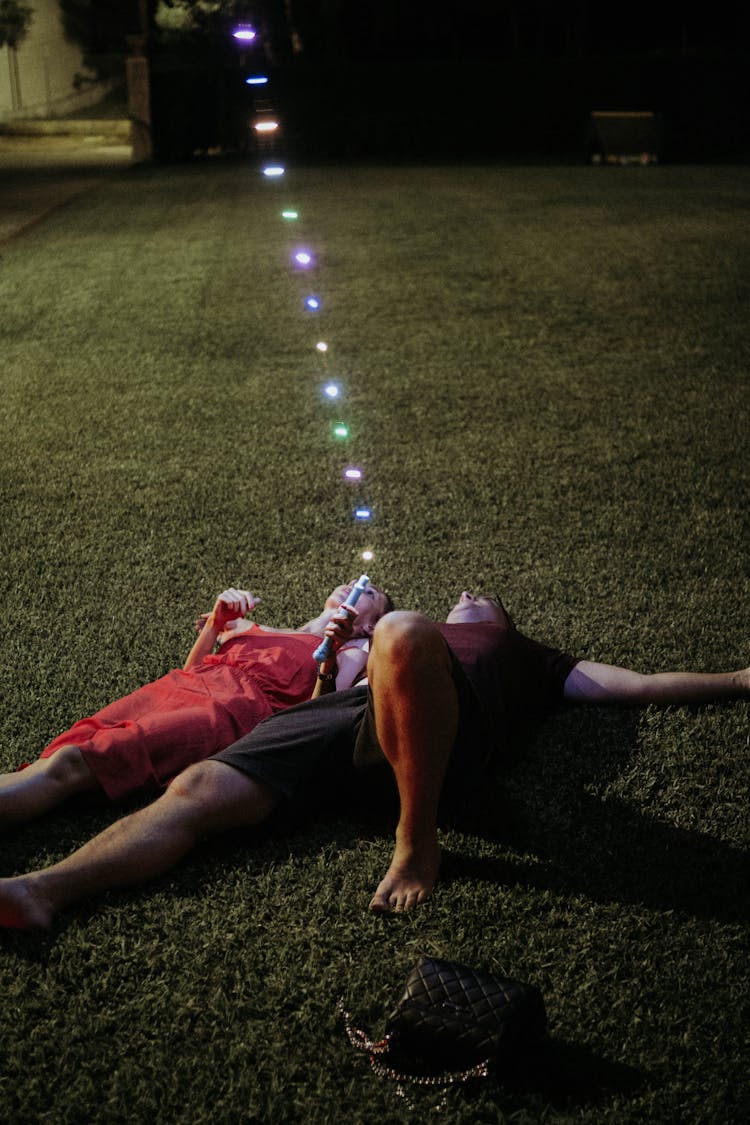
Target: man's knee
{"x": 405, "y": 640}
{"x": 199, "y": 784}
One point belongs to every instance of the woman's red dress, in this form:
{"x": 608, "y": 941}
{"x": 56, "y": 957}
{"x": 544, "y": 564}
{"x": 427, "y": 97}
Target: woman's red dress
{"x": 145, "y": 739}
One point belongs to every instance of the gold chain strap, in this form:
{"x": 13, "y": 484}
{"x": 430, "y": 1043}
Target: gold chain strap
{"x": 447, "y": 1078}
{"x": 375, "y": 1048}
{"x": 359, "y": 1038}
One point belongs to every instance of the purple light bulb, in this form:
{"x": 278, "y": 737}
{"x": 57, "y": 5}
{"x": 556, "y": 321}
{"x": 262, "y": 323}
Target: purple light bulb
{"x": 303, "y": 259}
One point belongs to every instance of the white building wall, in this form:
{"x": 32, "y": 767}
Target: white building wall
{"x": 39, "y": 81}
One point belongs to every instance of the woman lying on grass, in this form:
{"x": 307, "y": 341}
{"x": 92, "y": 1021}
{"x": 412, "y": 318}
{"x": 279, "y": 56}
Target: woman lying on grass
{"x": 141, "y": 742}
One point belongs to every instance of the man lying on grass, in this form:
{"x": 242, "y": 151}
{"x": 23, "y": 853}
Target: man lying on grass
{"x": 141, "y": 742}
{"x": 438, "y": 703}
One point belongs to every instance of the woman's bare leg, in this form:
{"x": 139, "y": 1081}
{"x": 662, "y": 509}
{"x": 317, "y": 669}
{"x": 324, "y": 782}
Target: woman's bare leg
{"x": 44, "y": 784}
{"x": 206, "y": 798}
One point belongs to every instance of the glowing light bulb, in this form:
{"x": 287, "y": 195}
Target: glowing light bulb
{"x": 362, "y": 513}
{"x": 353, "y": 473}
{"x": 303, "y": 259}
{"x": 257, "y": 80}
{"x": 332, "y": 390}
{"x": 340, "y": 430}
{"x": 265, "y": 126}
{"x": 273, "y": 171}
{"x": 313, "y": 304}
{"x": 321, "y": 346}
{"x": 290, "y": 215}
{"x": 244, "y": 34}
{"x": 368, "y": 556}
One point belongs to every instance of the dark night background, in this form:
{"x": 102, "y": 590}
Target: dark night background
{"x": 444, "y": 79}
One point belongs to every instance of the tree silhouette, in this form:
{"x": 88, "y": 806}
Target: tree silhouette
{"x": 15, "y": 20}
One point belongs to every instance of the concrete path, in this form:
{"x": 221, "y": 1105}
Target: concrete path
{"x": 39, "y": 172}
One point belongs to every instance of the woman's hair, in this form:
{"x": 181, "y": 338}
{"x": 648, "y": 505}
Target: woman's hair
{"x": 389, "y": 606}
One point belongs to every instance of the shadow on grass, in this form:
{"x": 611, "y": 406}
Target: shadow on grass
{"x": 657, "y": 866}
{"x": 602, "y": 847}
{"x": 567, "y": 1075}
{"x": 556, "y": 1074}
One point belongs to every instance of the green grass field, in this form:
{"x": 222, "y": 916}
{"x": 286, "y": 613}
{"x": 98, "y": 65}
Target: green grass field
{"x": 547, "y": 373}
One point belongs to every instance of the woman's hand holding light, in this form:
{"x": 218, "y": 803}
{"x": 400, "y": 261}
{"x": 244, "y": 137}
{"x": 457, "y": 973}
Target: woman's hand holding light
{"x": 341, "y": 627}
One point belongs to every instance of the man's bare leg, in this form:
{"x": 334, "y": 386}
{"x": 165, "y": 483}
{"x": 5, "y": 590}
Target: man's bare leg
{"x": 43, "y": 785}
{"x": 416, "y": 717}
{"x": 206, "y": 798}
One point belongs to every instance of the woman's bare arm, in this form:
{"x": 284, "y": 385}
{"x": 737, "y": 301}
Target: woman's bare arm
{"x": 230, "y": 605}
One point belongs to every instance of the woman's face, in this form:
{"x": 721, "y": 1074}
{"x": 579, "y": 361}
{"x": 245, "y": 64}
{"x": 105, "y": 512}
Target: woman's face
{"x": 370, "y": 607}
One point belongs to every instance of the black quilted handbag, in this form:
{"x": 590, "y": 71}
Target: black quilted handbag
{"x": 451, "y": 1016}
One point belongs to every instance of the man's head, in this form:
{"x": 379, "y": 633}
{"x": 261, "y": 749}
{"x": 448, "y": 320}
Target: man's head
{"x": 373, "y": 604}
{"x": 470, "y": 609}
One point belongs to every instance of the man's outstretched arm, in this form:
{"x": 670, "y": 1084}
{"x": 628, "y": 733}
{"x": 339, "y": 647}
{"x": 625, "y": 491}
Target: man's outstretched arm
{"x": 590, "y": 682}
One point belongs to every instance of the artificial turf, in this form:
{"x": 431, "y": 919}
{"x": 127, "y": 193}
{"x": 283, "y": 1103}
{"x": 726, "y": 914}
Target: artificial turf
{"x": 547, "y": 385}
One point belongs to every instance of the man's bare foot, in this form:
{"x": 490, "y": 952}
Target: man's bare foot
{"x": 410, "y": 879}
{"x": 23, "y": 906}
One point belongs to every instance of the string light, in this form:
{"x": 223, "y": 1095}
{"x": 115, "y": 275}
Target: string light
{"x": 303, "y": 259}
